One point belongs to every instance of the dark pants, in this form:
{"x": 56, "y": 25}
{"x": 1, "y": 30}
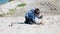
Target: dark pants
{"x": 28, "y": 21}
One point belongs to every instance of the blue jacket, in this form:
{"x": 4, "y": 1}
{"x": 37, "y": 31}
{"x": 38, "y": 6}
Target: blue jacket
{"x": 30, "y": 15}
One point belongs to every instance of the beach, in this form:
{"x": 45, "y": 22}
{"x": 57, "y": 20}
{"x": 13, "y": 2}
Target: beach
{"x": 10, "y": 13}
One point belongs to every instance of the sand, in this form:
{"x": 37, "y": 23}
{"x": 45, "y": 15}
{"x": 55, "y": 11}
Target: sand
{"x": 51, "y": 18}
{"x": 51, "y": 26}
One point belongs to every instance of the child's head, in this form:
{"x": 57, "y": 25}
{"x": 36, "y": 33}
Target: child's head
{"x": 37, "y": 11}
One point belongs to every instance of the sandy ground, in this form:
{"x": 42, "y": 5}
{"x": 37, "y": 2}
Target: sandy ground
{"x": 51, "y": 18}
{"x": 51, "y": 26}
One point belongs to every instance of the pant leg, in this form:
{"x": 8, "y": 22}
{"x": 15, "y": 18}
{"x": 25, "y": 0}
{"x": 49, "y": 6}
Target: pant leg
{"x": 26, "y": 20}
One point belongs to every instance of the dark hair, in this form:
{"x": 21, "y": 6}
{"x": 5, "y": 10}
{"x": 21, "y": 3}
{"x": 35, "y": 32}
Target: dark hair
{"x": 36, "y": 11}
